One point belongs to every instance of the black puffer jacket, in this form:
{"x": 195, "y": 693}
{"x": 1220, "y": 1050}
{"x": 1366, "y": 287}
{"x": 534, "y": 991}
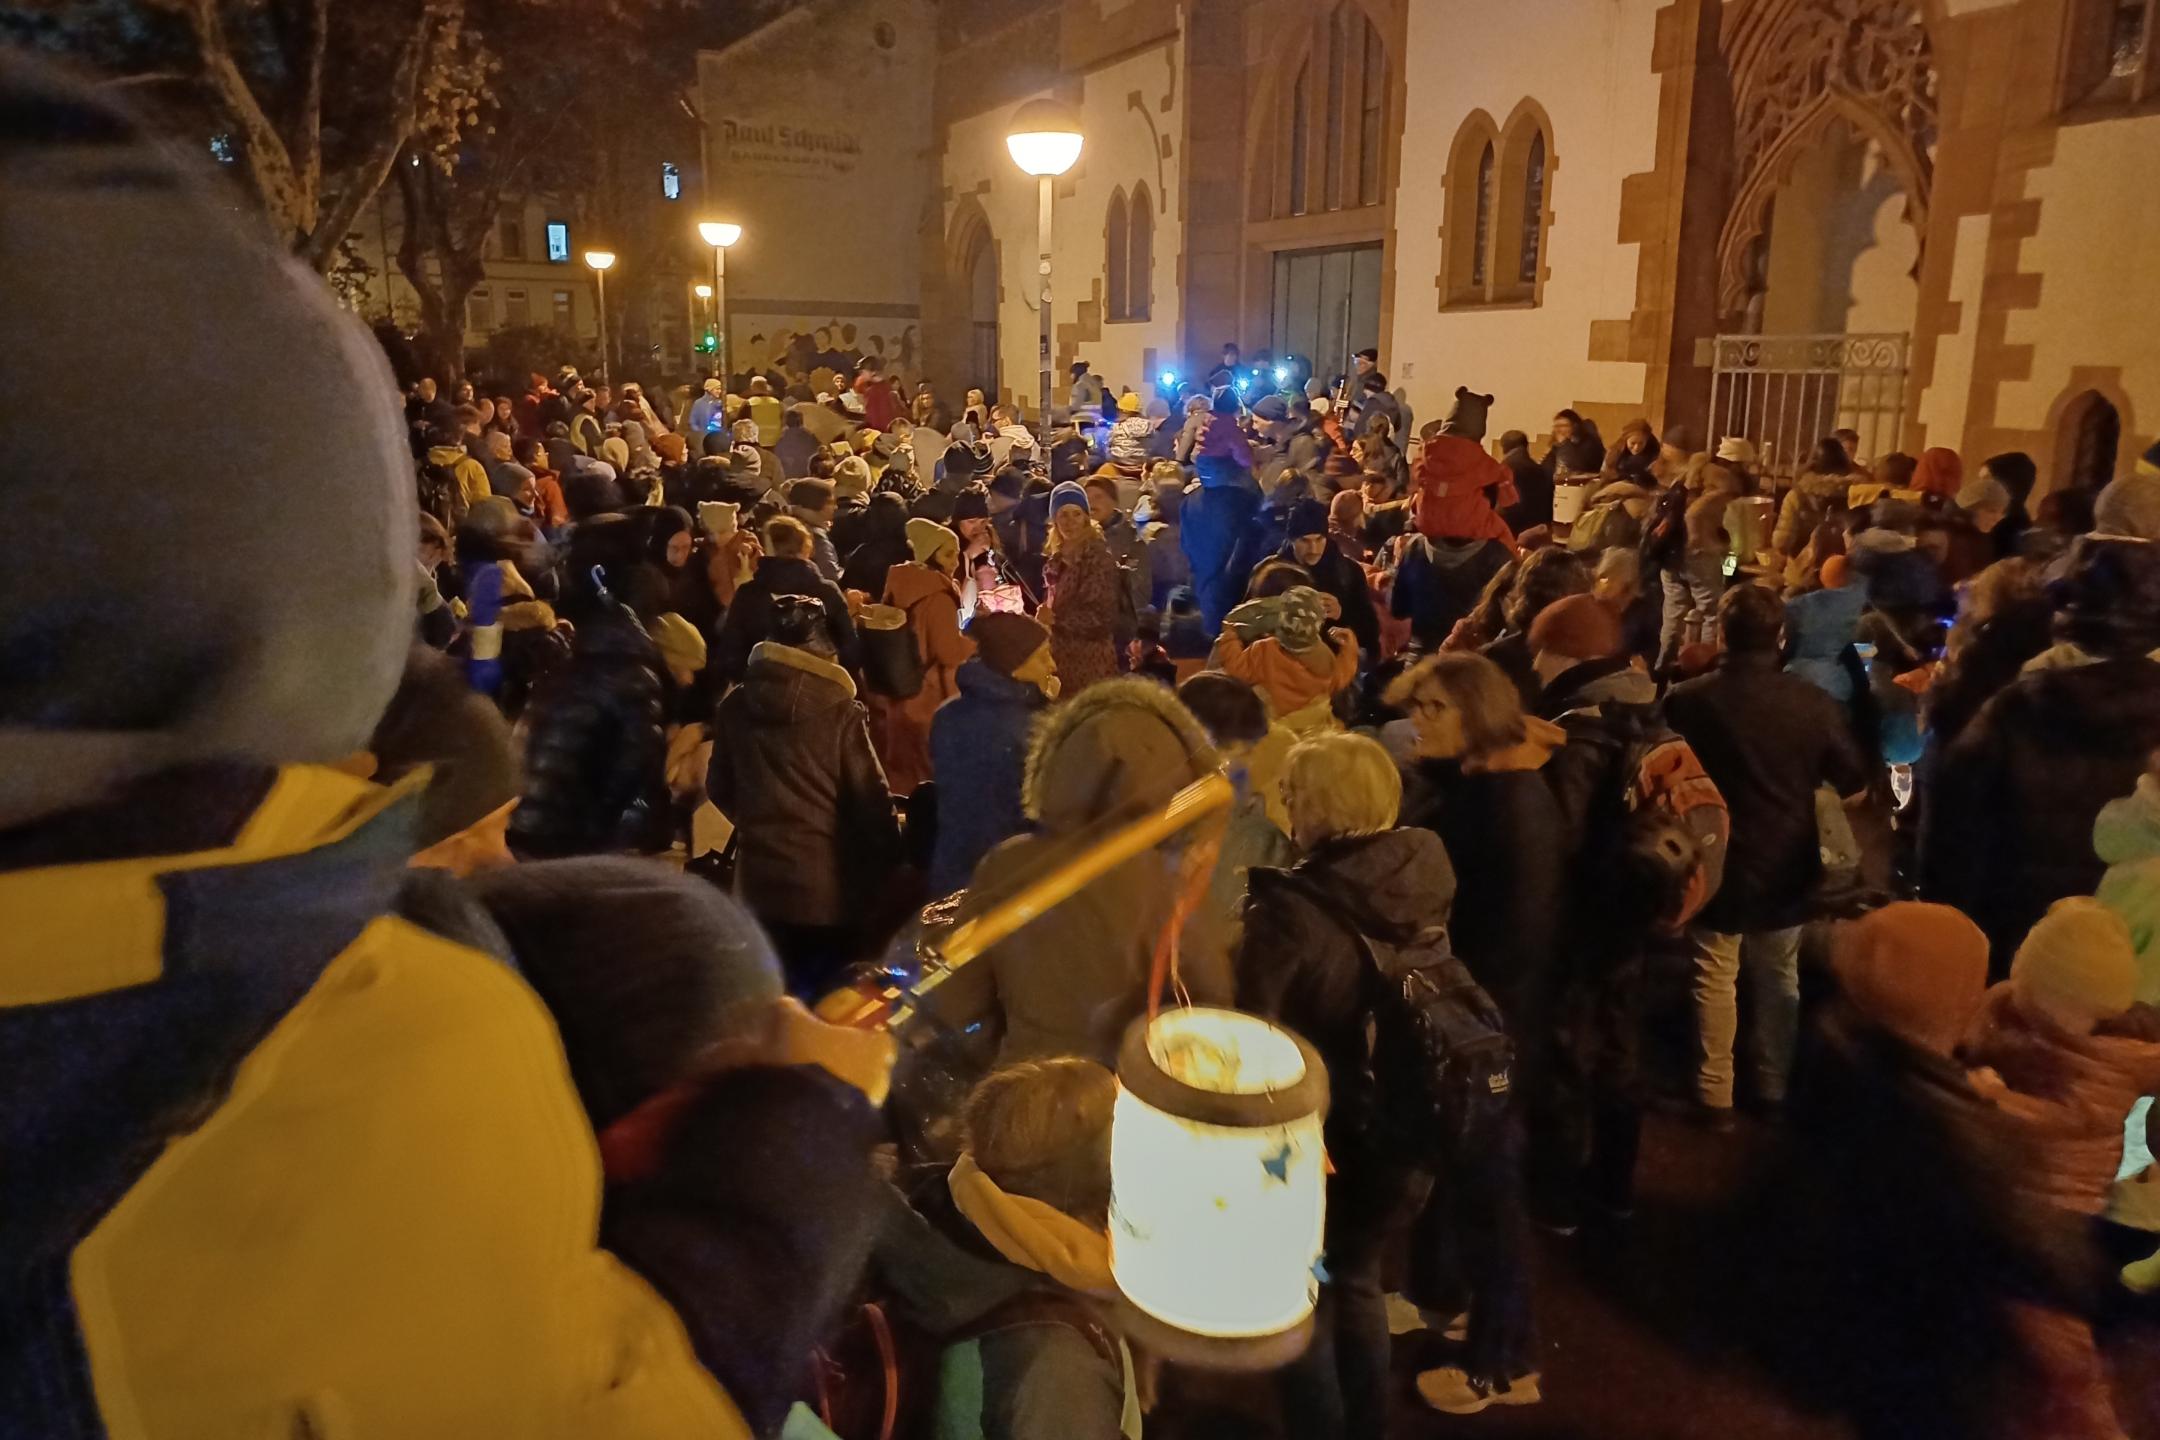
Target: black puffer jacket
{"x": 2009, "y": 829}
{"x": 792, "y": 767}
{"x": 596, "y": 752}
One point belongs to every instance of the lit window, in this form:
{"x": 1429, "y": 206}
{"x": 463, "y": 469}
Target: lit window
{"x": 558, "y": 236}
{"x": 670, "y": 180}
{"x": 1533, "y": 218}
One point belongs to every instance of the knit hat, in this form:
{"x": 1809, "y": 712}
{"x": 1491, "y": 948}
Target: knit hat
{"x": 681, "y": 647}
{"x": 438, "y": 720}
{"x": 972, "y": 503}
{"x": 1984, "y": 492}
{"x": 703, "y": 968}
{"x": 1005, "y": 640}
{"x": 1466, "y": 417}
{"x": 1300, "y": 614}
{"x": 1835, "y": 572}
{"x": 269, "y": 622}
{"x": 1271, "y": 407}
{"x": 1309, "y": 517}
{"x": 1069, "y": 492}
{"x": 2077, "y": 967}
{"x": 718, "y": 518}
{"x": 494, "y": 517}
{"x": 1576, "y": 627}
{"x": 928, "y": 539}
{"x": 616, "y": 451}
{"x": 1736, "y": 450}
{"x": 1916, "y": 969}
{"x": 851, "y": 476}
{"x": 1128, "y": 404}
{"x": 671, "y": 448}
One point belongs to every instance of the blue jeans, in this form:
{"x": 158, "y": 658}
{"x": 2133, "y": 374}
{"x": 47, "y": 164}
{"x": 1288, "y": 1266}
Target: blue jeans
{"x": 1338, "y": 1389}
{"x": 1471, "y": 1248}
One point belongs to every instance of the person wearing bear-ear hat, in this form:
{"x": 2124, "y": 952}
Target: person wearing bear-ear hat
{"x": 1458, "y": 484}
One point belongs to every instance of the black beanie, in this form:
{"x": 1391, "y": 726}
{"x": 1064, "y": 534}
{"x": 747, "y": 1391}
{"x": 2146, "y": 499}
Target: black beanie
{"x": 436, "y": 719}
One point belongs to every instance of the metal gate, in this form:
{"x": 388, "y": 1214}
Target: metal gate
{"x": 1786, "y": 392}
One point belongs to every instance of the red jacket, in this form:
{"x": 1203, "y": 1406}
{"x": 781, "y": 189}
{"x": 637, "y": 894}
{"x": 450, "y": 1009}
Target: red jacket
{"x": 1453, "y": 477}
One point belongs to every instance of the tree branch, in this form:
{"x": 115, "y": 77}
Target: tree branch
{"x": 319, "y": 243}
{"x": 269, "y": 160}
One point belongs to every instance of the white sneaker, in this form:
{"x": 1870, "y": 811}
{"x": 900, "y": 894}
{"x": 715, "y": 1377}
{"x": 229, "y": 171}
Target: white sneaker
{"x": 1452, "y": 1391}
{"x": 1407, "y": 1318}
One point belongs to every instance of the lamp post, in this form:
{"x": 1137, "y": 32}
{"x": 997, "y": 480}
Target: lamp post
{"x": 1044, "y": 141}
{"x": 599, "y": 260}
{"x": 705, "y": 293}
{"x": 719, "y": 234}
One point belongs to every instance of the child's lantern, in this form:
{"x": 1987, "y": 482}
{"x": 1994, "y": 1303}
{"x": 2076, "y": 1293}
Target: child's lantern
{"x": 1218, "y": 1181}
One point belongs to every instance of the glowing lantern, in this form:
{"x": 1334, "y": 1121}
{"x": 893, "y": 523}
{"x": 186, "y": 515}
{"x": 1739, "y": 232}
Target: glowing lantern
{"x": 1217, "y": 1179}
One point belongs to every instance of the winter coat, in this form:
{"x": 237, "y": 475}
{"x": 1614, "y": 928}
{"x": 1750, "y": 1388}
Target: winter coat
{"x": 1533, "y": 491}
{"x": 1288, "y": 680}
{"x": 2009, "y": 828}
{"x": 1769, "y": 740}
{"x": 1038, "y": 1379}
{"x": 1605, "y": 706}
{"x": 978, "y": 757}
{"x": 1437, "y": 582}
{"x": 796, "y": 447}
{"x": 1806, "y": 506}
{"x": 1896, "y": 573}
{"x": 1067, "y": 983}
{"x": 1082, "y": 593}
{"x": 793, "y": 769}
{"x": 749, "y": 617}
{"x": 1130, "y": 552}
{"x": 1504, "y": 838}
{"x": 932, "y": 603}
{"x": 1302, "y": 966}
{"x": 244, "y": 1085}
{"x": 2085, "y": 1086}
{"x": 1453, "y": 479}
{"x": 1163, "y": 554}
{"x": 596, "y": 747}
{"x": 884, "y": 544}
{"x": 1340, "y": 576}
{"x": 469, "y": 474}
{"x": 1820, "y": 627}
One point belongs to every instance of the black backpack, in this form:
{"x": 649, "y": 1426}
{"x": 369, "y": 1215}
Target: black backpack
{"x": 1441, "y": 1060}
{"x": 1664, "y": 532}
{"x": 438, "y": 492}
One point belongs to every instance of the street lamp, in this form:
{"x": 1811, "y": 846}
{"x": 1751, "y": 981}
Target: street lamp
{"x": 1044, "y": 140}
{"x": 719, "y": 234}
{"x": 600, "y": 260}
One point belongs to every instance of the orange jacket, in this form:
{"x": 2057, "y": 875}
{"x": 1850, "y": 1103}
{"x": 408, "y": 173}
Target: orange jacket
{"x": 1287, "y": 681}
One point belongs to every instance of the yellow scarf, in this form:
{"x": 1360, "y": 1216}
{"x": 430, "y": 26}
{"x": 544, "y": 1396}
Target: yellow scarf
{"x": 1030, "y": 1233}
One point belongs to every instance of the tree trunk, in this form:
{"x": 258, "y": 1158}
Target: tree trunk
{"x": 444, "y": 285}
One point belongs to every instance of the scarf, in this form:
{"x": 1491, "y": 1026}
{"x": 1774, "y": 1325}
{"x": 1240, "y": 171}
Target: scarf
{"x": 1032, "y": 1234}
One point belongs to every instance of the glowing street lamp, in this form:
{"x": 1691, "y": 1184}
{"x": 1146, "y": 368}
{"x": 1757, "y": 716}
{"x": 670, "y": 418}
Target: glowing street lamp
{"x": 719, "y": 234}
{"x": 1044, "y": 140}
{"x": 600, "y": 260}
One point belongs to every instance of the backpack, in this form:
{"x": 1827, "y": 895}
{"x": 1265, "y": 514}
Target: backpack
{"x": 1602, "y": 527}
{"x": 438, "y": 492}
{"x": 1441, "y": 1059}
{"x": 1674, "y": 838}
{"x": 880, "y": 1378}
{"x": 892, "y": 659}
{"x": 1664, "y": 537}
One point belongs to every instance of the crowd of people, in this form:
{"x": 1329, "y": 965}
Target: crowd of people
{"x": 406, "y": 1017}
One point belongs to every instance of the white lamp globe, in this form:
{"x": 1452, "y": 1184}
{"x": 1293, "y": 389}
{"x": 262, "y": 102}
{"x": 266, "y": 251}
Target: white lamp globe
{"x": 1044, "y": 138}
{"x": 1218, "y": 1185}
{"x": 599, "y": 259}
{"x": 718, "y": 233}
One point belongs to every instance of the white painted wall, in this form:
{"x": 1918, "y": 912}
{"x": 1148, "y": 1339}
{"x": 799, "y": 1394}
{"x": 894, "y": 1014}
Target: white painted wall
{"x": 1121, "y": 149}
{"x": 2099, "y": 290}
{"x": 1841, "y": 249}
{"x": 1588, "y": 63}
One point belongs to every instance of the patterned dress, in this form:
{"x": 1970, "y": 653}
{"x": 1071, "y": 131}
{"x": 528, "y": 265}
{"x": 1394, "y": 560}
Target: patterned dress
{"x": 1083, "y": 587}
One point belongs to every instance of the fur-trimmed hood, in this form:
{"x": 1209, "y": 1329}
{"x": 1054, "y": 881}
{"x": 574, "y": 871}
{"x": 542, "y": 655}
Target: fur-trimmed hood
{"x": 1117, "y": 744}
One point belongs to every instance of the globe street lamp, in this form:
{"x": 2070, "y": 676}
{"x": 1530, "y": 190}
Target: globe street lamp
{"x": 704, "y": 293}
{"x": 719, "y": 234}
{"x": 1044, "y": 140}
{"x": 600, "y": 260}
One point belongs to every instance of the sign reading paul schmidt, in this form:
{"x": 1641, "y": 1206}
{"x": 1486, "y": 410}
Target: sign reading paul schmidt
{"x": 774, "y": 147}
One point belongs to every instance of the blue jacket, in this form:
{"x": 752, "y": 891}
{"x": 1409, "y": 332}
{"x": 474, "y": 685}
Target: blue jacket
{"x": 1819, "y": 628}
{"x": 978, "y": 756}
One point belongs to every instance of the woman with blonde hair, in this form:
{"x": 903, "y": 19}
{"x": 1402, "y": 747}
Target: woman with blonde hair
{"x": 925, "y": 593}
{"x": 1081, "y": 581}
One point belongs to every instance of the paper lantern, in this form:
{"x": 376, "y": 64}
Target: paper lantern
{"x": 1218, "y": 1175}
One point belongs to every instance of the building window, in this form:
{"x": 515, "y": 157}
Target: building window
{"x": 1116, "y": 237}
{"x": 515, "y": 310}
{"x": 1300, "y": 132}
{"x": 2108, "y": 60}
{"x": 480, "y": 311}
{"x": 1533, "y": 216}
{"x": 558, "y": 238}
{"x": 670, "y": 180}
{"x": 510, "y": 235}
{"x": 1481, "y": 232}
{"x": 1331, "y": 195}
{"x": 562, "y": 309}
{"x": 1372, "y": 117}
{"x": 1466, "y": 230}
{"x": 1140, "y": 256}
